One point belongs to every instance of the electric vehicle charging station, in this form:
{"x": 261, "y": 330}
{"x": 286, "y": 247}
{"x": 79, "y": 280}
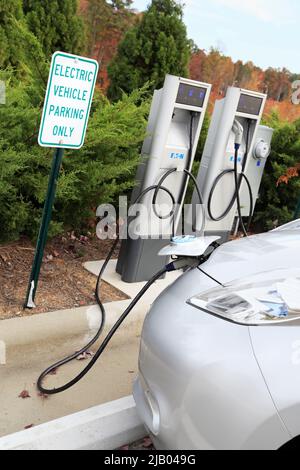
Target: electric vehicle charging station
{"x": 174, "y": 128}
{"x": 238, "y": 145}
{"x": 235, "y": 125}
{"x": 174, "y": 406}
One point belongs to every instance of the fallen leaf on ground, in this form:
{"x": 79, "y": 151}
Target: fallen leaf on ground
{"x": 85, "y": 356}
{"x": 43, "y": 396}
{"x": 24, "y": 394}
{"x": 147, "y": 443}
{"x": 29, "y": 426}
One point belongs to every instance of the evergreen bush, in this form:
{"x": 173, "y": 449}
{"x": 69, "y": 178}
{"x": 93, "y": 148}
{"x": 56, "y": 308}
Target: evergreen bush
{"x": 101, "y": 171}
{"x": 277, "y": 203}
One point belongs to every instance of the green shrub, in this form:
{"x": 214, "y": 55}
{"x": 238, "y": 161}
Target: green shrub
{"x": 105, "y": 167}
{"x": 277, "y": 203}
{"x": 102, "y": 170}
{"x": 56, "y": 24}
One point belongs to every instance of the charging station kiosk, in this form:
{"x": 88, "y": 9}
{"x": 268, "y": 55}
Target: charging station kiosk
{"x": 244, "y": 109}
{"x": 174, "y": 128}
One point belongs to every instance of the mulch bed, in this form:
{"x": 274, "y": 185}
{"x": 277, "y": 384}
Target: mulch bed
{"x": 64, "y": 283}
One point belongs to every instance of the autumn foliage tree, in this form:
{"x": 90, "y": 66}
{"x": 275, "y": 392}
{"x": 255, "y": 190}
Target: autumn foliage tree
{"x": 220, "y": 70}
{"x": 292, "y": 172}
{"x": 278, "y": 83}
{"x": 157, "y": 45}
{"x": 106, "y": 23}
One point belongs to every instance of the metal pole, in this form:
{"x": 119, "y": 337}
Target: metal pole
{"x": 43, "y": 233}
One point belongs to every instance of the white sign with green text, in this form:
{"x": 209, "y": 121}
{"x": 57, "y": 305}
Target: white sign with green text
{"x": 68, "y": 101}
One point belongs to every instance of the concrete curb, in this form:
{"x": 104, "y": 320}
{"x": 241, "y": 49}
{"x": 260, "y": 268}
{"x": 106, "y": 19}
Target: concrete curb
{"x": 82, "y": 321}
{"x": 105, "y": 427}
{"x": 68, "y": 324}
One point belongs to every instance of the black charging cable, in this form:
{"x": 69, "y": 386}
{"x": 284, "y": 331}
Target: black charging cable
{"x": 156, "y": 188}
{"x": 238, "y": 178}
{"x": 74, "y": 356}
{"x": 103, "y": 346}
{"x": 237, "y": 183}
{"x": 201, "y": 203}
{"x": 189, "y": 165}
{"x": 174, "y": 170}
{"x": 172, "y": 213}
{"x": 190, "y": 175}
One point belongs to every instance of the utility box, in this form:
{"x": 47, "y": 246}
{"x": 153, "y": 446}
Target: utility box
{"x": 174, "y": 128}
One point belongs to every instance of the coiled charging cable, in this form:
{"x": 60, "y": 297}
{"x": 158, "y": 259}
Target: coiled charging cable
{"x": 171, "y": 267}
{"x": 238, "y": 178}
{"x": 103, "y": 346}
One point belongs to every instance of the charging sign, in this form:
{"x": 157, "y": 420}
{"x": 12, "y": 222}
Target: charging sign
{"x": 68, "y": 101}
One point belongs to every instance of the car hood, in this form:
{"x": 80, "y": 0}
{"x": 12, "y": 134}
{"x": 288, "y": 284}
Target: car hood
{"x": 255, "y": 254}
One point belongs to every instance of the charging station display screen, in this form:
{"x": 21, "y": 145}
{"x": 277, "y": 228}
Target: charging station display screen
{"x": 191, "y": 95}
{"x": 250, "y": 105}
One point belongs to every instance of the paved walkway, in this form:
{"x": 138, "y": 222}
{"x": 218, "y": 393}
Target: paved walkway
{"x": 36, "y": 342}
{"x": 111, "y": 379}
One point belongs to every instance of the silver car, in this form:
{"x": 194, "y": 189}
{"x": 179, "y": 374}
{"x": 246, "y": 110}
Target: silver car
{"x": 212, "y": 380}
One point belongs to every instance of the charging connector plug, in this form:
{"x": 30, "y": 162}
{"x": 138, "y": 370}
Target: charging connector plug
{"x": 182, "y": 263}
{"x": 238, "y": 132}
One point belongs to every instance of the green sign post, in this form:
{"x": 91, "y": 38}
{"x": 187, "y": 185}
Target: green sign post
{"x": 64, "y": 123}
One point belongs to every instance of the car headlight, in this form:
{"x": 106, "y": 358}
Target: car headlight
{"x": 268, "y": 298}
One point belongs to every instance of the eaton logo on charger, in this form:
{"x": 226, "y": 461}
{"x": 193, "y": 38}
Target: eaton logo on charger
{"x": 177, "y": 156}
